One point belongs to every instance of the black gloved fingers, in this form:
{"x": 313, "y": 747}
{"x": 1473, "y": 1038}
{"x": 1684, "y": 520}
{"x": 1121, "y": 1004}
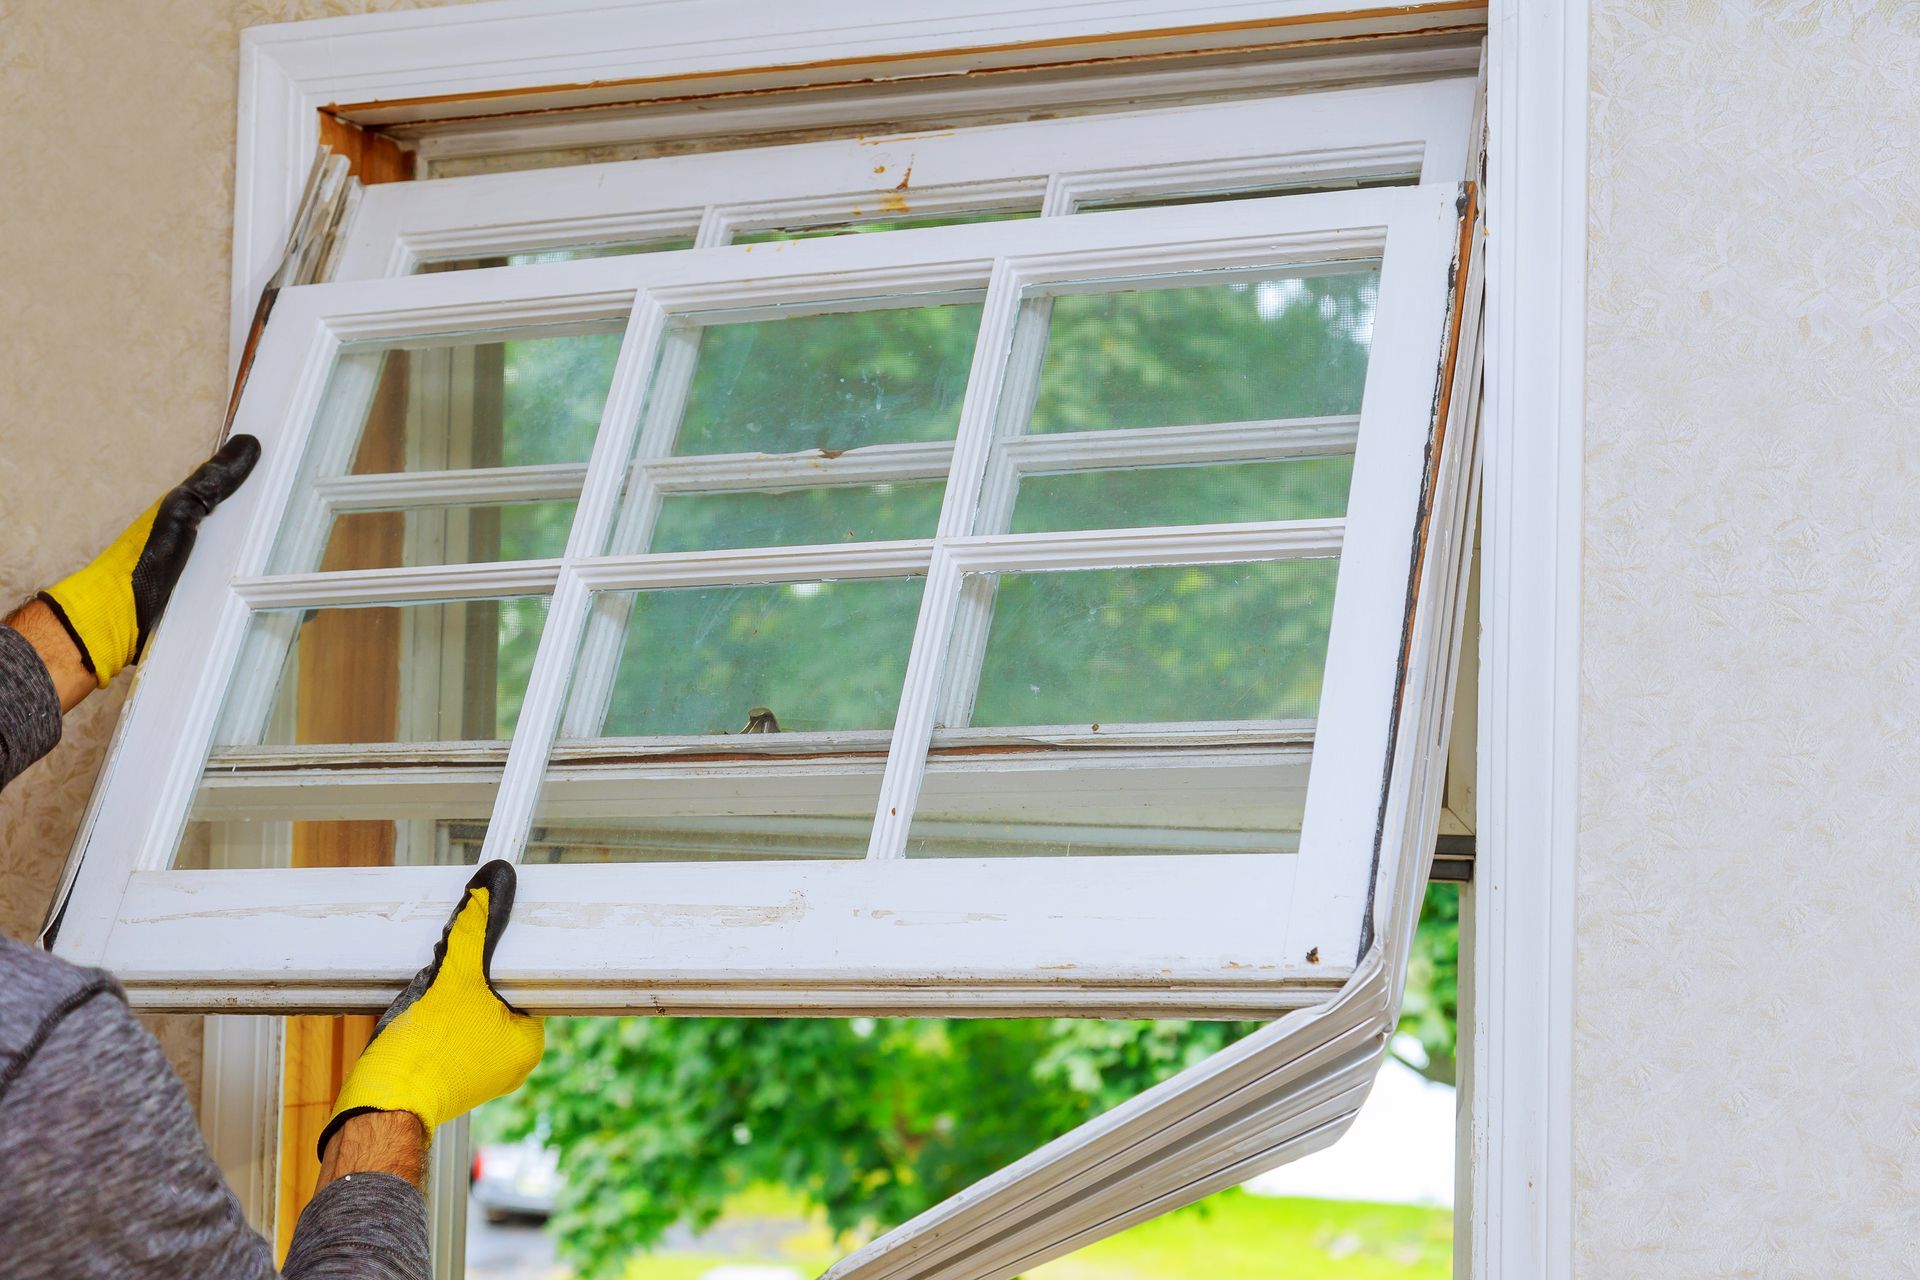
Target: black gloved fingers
{"x": 176, "y": 525}
{"x": 211, "y": 483}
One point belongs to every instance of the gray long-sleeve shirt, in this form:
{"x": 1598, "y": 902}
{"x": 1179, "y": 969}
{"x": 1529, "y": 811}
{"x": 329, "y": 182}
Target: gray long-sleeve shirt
{"x": 103, "y": 1172}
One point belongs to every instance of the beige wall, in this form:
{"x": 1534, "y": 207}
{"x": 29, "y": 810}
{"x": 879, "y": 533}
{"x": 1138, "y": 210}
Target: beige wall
{"x": 116, "y": 195}
{"x": 1747, "y": 1064}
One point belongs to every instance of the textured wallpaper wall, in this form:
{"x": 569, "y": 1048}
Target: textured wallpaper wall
{"x": 115, "y": 226}
{"x": 1747, "y": 1098}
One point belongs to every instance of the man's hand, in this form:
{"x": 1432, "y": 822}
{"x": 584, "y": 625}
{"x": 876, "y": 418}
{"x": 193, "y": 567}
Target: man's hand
{"x": 111, "y": 606}
{"x": 449, "y": 1042}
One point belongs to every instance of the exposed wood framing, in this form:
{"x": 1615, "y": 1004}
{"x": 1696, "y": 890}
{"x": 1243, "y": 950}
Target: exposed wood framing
{"x": 371, "y": 156}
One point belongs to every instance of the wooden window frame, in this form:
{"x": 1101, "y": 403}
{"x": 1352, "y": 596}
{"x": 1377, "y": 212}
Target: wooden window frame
{"x": 1516, "y": 1163}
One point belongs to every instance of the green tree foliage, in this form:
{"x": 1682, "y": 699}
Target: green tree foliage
{"x": 659, "y": 1121}
{"x": 1430, "y": 1011}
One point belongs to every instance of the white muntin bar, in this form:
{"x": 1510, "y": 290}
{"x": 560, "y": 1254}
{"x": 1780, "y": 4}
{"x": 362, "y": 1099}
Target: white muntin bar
{"x": 822, "y": 563}
{"x": 1020, "y": 387}
{"x": 1131, "y": 548}
{"x": 973, "y": 438}
{"x": 405, "y": 585}
{"x": 636, "y": 507}
{"x": 478, "y": 486}
{"x": 1266, "y": 440}
{"x": 566, "y": 617}
{"x": 869, "y": 464}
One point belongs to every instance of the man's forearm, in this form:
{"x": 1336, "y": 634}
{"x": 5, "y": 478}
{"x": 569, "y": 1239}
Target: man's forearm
{"x": 29, "y": 706}
{"x": 72, "y": 680}
{"x": 368, "y": 1217}
{"x": 377, "y": 1142}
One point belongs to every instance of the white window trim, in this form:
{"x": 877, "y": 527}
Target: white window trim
{"x": 1517, "y": 1087}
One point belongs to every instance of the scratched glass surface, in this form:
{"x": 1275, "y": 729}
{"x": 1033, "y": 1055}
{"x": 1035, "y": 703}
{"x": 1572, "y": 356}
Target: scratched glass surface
{"x": 1151, "y": 497}
{"x": 1284, "y": 344}
{"x": 760, "y": 659}
{"x": 459, "y": 403}
{"x": 439, "y": 672}
{"x": 775, "y": 382}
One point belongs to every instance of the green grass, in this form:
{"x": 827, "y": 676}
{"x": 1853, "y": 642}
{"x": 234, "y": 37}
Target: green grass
{"x": 1233, "y": 1236}
{"x": 1236, "y": 1236}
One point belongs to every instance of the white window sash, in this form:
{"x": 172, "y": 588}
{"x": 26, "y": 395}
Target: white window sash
{"x": 1407, "y": 129}
{"x": 1217, "y": 934}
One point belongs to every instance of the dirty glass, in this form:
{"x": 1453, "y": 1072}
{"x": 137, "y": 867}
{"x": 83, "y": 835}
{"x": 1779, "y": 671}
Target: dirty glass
{"x": 1146, "y": 497}
{"x": 766, "y": 658}
{"x": 463, "y": 403}
{"x": 835, "y": 381}
{"x": 438, "y": 672}
{"x": 1287, "y": 345}
{"x": 1172, "y": 643}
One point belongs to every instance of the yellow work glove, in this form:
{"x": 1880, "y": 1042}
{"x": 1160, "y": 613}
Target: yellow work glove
{"x": 111, "y": 606}
{"x": 449, "y": 1042}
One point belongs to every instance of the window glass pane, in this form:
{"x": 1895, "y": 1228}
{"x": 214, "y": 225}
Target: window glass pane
{"x": 1152, "y": 645}
{"x": 453, "y": 671}
{"x": 1095, "y": 804}
{"x": 1309, "y": 186}
{"x": 898, "y": 222}
{"x": 573, "y": 254}
{"x": 437, "y": 535}
{"x": 788, "y": 384}
{"x": 600, "y": 814}
{"x": 456, "y": 405}
{"x": 798, "y": 517}
{"x": 1145, "y": 497}
{"x": 264, "y": 839}
{"x": 1288, "y": 345}
{"x": 767, "y": 658}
